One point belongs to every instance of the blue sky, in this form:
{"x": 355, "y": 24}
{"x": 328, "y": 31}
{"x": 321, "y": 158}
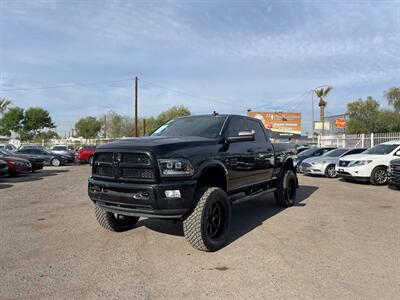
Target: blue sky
{"x": 266, "y": 55}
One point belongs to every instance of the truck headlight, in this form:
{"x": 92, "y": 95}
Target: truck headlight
{"x": 175, "y": 167}
{"x": 358, "y": 163}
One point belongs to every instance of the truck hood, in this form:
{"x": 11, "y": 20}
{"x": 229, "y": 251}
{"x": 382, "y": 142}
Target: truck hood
{"x": 158, "y": 142}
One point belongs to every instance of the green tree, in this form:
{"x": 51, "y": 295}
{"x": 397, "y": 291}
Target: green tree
{"x": 12, "y": 121}
{"x": 4, "y": 104}
{"x": 88, "y": 127}
{"x": 115, "y": 125}
{"x": 46, "y": 135}
{"x": 363, "y": 116}
{"x": 162, "y": 118}
{"x": 36, "y": 120}
{"x": 393, "y": 97}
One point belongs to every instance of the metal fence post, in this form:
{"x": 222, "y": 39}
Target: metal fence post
{"x": 344, "y": 140}
{"x": 372, "y": 139}
{"x": 319, "y": 141}
{"x": 362, "y": 140}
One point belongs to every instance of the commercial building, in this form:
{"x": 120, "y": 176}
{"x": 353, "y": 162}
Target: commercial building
{"x": 283, "y": 125}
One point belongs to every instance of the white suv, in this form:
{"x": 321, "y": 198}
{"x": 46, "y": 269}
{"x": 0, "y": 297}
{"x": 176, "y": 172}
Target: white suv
{"x": 371, "y": 165}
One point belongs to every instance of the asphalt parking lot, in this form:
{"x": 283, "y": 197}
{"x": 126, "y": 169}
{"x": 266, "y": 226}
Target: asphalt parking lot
{"x": 341, "y": 241}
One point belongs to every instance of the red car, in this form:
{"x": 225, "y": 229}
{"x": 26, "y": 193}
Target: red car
{"x": 17, "y": 165}
{"x": 85, "y": 154}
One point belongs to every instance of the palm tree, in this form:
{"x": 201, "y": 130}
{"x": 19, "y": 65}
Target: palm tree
{"x": 322, "y": 93}
{"x": 4, "y": 103}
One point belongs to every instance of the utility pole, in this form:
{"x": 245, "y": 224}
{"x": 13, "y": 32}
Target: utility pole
{"x": 144, "y": 126}
{"x": 136, "y": 106}
{"x": 312, "y": 114}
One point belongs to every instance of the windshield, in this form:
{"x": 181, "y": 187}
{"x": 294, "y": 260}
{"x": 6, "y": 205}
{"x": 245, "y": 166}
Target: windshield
{"x": 201, "y": 126}
{"x": 382, "y": 149}
{"x": 308, "y": 152}
{"x": 5, "y": 152}
{"x": 59, "y": 148}
{"x": 335, "y": 153}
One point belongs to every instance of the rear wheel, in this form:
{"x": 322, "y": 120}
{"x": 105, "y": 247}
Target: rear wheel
{"x": 207, "y": 227}
{"x": 114, "y": 222}
{"x": 286, "y": 190}
{"x": 330, "y": 171}
{"x": 379, "y": 176}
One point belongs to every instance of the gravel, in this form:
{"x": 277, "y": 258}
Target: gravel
{"x": 341, "y": 241}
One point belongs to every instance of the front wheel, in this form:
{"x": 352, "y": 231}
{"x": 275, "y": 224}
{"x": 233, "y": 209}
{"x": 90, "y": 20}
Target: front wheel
{"x": 330, "y": 171}
{"x": 286, "y": 189}
{"x": 114, "y": 222}
{"x": 55, "y": 162}
{"x": 207, "y": 227}
{"x": 379, "y": 176}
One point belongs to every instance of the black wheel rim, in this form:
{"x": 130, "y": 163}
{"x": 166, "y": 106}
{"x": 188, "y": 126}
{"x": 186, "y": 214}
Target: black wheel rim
{"x": 381, "y": 176}
{"x": 215, "y": 219}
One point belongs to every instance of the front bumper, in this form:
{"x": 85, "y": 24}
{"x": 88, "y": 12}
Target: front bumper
{"x": 353, "y": 173}
{"x": 311, "y": 169}
{"x": 142, "y": 200}
{"x": 394, "y": 179}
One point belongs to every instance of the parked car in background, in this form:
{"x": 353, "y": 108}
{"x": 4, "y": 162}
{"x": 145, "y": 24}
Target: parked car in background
{"x": 16, "y": 165}
{"x": 49, "y": 157}
{"x": 65, "y": 150}
{"x": 30, "y": 146}
{"x": 301, "y": 149}
{"x": 36, "y": 161}
{"x": 371, "y": 165}
{"x": 85, "y": 154}
{"x": 3, "y": 168}
{"x": 312, "y": 152}
{"x": 326, "y": 164}
{"x": 9, "y": 147}
{"x": 394, "y": 173}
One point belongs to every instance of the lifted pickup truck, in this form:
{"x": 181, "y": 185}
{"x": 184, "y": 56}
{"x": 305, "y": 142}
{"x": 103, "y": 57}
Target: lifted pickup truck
{"x": 187, "y": 170}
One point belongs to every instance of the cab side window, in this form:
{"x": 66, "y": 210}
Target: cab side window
{"x": 235, "y": 126}
{"x": 256, "y": 127}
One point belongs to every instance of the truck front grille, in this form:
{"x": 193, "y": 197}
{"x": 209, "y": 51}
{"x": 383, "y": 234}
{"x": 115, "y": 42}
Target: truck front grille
{"x": 122, "y": 166}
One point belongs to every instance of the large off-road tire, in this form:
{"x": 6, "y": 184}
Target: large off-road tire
{"x": 207, "y": 227}
{"x": 379, "y": 176}
{"x": 330, "y": 171}
{"x": 114, "y": 222}
{"x": 286, "y": 190}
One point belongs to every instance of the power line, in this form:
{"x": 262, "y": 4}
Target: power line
{"x": 66, "y": 85}
{"x": 191, "y": 95}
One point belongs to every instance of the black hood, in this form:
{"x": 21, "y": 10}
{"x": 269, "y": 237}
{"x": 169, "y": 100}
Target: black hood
{"x": 158, "y": 143}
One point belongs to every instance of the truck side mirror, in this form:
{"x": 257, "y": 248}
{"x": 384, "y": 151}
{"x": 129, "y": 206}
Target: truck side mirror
{"x": 241, "y": 137}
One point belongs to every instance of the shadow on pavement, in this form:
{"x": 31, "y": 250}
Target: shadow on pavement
{"x": 37, "y": 175}
{"x": 247, "y": 214}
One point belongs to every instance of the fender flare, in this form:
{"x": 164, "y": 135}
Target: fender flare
{"x": 209, "y": 164}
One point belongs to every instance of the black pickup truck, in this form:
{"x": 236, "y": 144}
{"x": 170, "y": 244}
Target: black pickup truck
{"x": 187, "y": 170}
